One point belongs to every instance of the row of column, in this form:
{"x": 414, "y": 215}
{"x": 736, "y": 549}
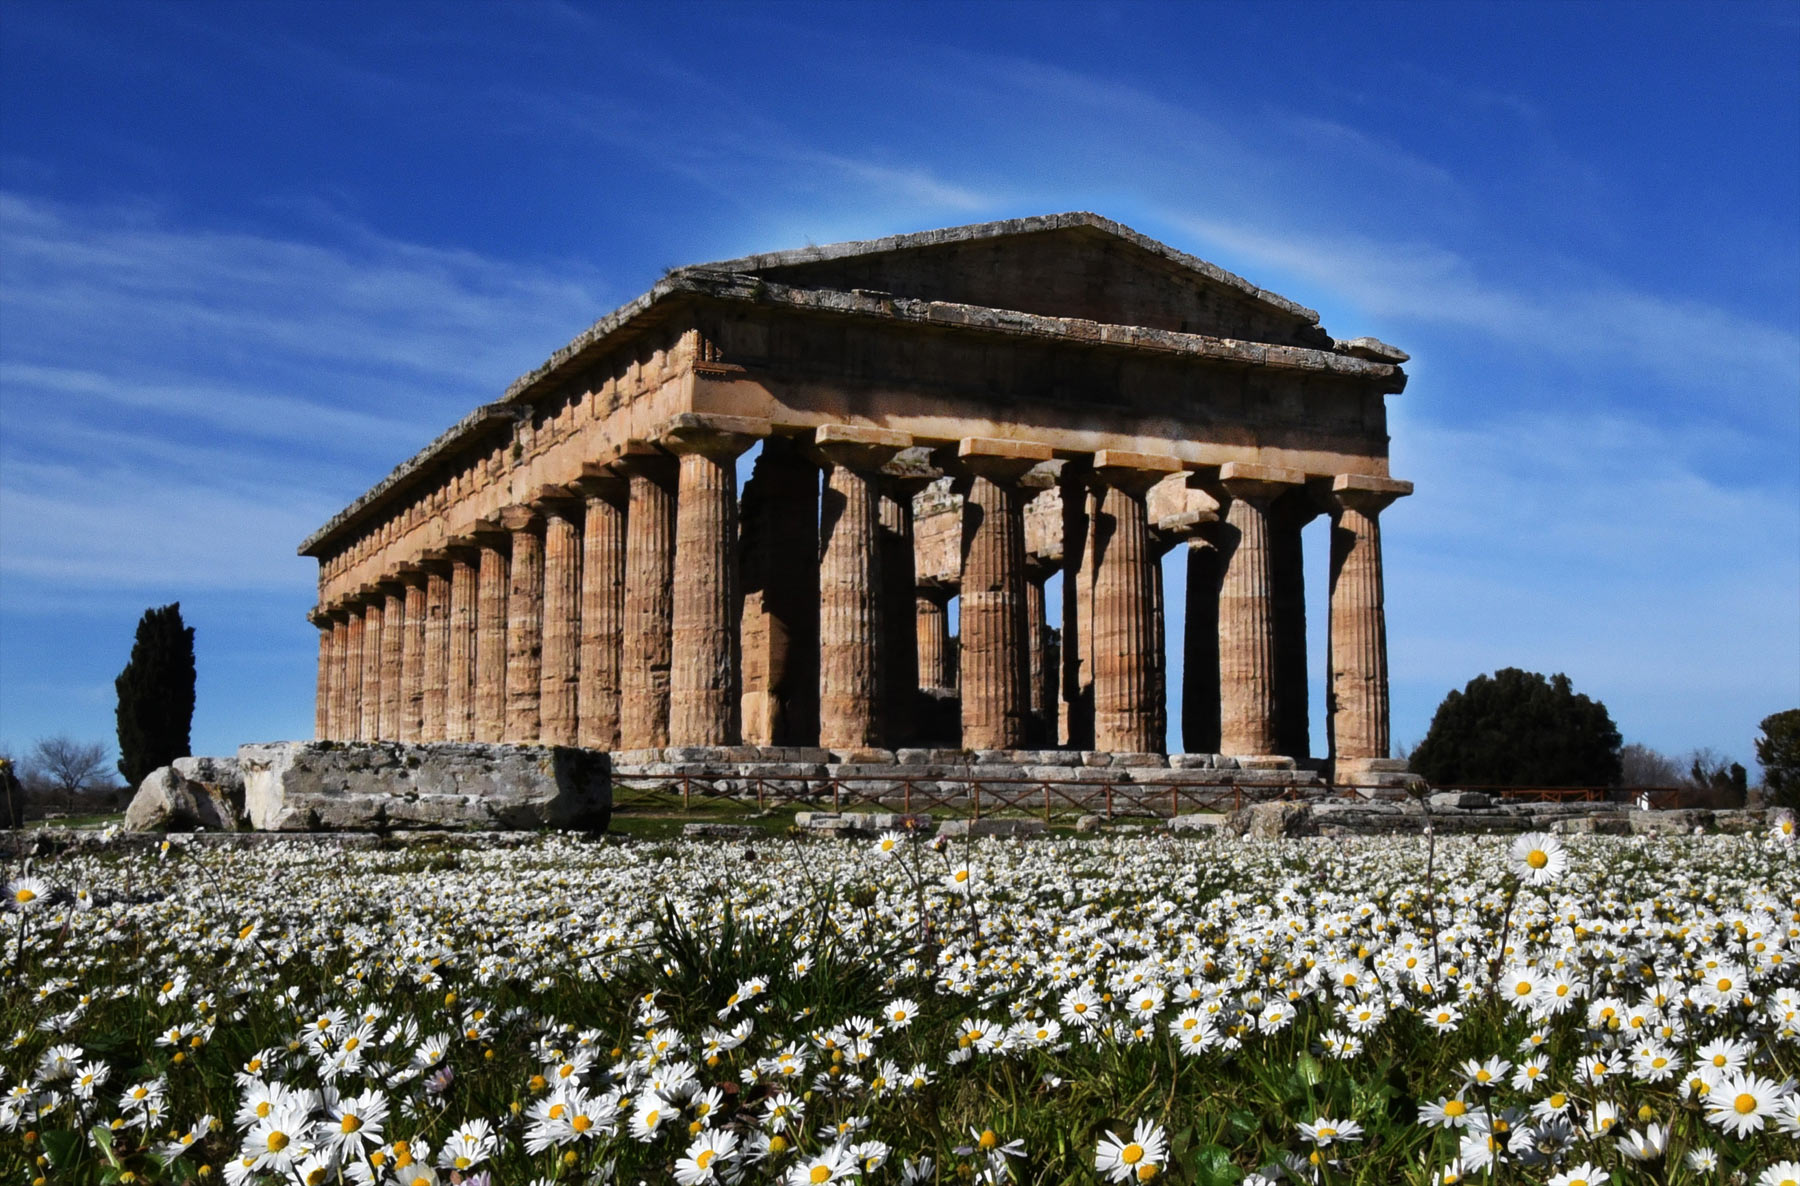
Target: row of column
{"x": 609, "y": 614}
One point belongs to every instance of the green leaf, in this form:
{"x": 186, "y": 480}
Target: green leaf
{"x": 1309, "y": 1070}
{"x": 62, "y": 1147}
{"x": 1212, "y": 1167}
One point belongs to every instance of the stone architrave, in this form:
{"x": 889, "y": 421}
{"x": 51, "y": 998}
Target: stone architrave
{"x": 932, "y": 624}
{"x": 1359, "y": 677}
{"x": 350, "y": 696}
{"x": 491, "y": 595}
{"x": 1125, "y": 631}
{"x": 374, "y": 642}
{"x": 994, "y": 663}
{"x": 850, "y": 593}
{"x": 1288, "y": 515}
{"x": 1200, "y": 645}
{"x": 1247, "y": 712}
{"x": 559, "y": 673}
{"x": 602, "y": 608}
{"x": 435, "y": 682}
{"x": 321, "y": 621}
{"x": 411, "y": 722}
{"x": 524, "y": 623}
{"x": 1076, "y": 709}
{"x": 649, "y": 592}
{"x": 464, "y": 644}
{"x": 778, "y": 554}
{"x": 393, "y": 638}
{"x": 703, "y": 685}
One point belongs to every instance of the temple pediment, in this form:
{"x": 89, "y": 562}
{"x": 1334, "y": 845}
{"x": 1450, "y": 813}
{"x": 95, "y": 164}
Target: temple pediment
{"x": 1076, "y": 265}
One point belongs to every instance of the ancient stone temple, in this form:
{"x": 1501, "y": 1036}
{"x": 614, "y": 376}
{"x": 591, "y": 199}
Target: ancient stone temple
{"x": 952, "y": 416}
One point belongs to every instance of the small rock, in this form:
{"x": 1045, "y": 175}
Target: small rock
{"x": 1088, "y": 823}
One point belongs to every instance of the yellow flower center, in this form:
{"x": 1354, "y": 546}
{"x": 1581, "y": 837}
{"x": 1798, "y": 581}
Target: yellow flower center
{"x": 1131, "y": 1154}
{"x": 582, "y": 1123}
{"x": 350, "y": 1124}
{"x": 277, "y": 1142}
{"x": 1455, "y": 1108}
{"x": 262, "y": 1110}
{"x": 1745, "y": 1104}
{"x": 1537, "y": 858}
{"x": 706, "y": 1158}
{"x": 821, "y": 1173}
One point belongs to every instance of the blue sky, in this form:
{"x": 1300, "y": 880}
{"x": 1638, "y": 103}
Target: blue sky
{"x": 254, "y": 255}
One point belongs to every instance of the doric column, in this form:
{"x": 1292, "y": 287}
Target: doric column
{"x": 602, "y": 609}
{"x": 491, "y": 596}
{"x": 778, "y": 565}
{"x": 1288, "y": 515}
{"x": 1359, "y": 678}
{"x": 900, "y": 642}
{"x": 1200, "y": 645}
{"x": 649, "y": 608}
{"x": 337, "y": 726}
{"x": 850, "y": 593}
{"x": 559, "y": 677}
{"x": 411, "y": 721}
{"x": 932, "y": 623}
{"x": 1247, "y": 720}
{"x": 1077, "y": 706}
{"x": 350, "y": 698}
{"x": 703, "y": 683}
{"x": 393, "y": 639}
{"x": 321, "y": 620}
{"x": 1040, "y": 732}
{"x": 373, "y": 646}
{"x": 994, "y": 662}
{"x": 524, "y": 623}
{"x": 464, "y": 643}
{"x": 435, "y": 676}
{"x": 1125, "y": 631}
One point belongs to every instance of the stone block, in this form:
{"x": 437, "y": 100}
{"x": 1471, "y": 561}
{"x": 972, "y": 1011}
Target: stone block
{"x": 714, "y": 831}
{"x": 1272, "y": 821}
{"x": 1202, "y": 822}
{"x": 1192, "y": 761}
{"x": 956, "y": 828}
{"x": 1264, "y": 762}
{"x": 1593, "y": 825}
{"x": 1096, "y": 757}
{"x": 1139, "y": 761}
{"x": 191, "y": 794}
{"x": 1667, "y": 823}
{"x": 913, "y": 757}
{"x": 1088, "y": 823}
{"x": 1461, "y": 801}
{"x": 305, "y": 786}
{"x": 861, "y": 757}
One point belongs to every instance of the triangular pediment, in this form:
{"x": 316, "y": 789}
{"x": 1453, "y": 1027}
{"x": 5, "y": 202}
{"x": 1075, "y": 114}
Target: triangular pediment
{"x": 1062, "y": 265}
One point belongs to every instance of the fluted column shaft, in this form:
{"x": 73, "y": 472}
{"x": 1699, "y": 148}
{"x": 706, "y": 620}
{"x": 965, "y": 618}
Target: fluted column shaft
{"x": 435, "y": 674}
{"x": 778, "y": 633}
{"x": 602, "y": 613}
{"x": 649, "y": 608}
{"x": 374, "y": 642}
{"x": 703, "y": 685}
{"x": 464, "y": 646}
{"x": 1041, "y": 729}
{"x": 1359, "y": 675}
{"x": 900, "y": 677}
{"x": 994, "y": 665}
{"x": 932, "y": 624}
{"x": 559, "y": 681}
{"x": 393, "y": 639}
{"x": 322, "y": 686}
{"x": 491, "y": 596}
{"x": 411, "y": 718}
{"x": 851, "y": 598}
{"x": 524, "y": 625}
{"x": 1125, "y": 628}
{"x": 1200, "y": 648}
{"x": 1247, "y": 706}
{"x": 350, "y": 697}
{"x": 340, "y": 642}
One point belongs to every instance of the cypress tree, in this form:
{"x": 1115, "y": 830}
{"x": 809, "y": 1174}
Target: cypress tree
{"x": 156, "y": 694}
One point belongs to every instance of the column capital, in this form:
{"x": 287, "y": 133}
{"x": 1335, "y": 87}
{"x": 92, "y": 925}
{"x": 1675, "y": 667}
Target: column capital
{"x": 1258, "y": 483}
{"x": 1133, "y": 473}
{"x": 560, "y": 501}
{"x": 858, "y": 447}
{"x": 521, "y": 517}
{"x": 1366, "y": 492}
{"x": 320, "y": 616}
{"x": 638, "y": 458}
{"x": 604, "y": 481}
{"x": 999, "y": 460}
{"x": 711, "y": 434}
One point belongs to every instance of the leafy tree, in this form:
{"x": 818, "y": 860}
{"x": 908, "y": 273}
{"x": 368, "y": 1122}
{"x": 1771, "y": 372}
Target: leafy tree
{"x": 1712, "y": 771}
{"x": 1778, "y": 753}
{"x": 1516, "y": 728}
{"x": 156, "y": 694}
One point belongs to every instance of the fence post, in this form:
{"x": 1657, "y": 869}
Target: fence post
{"x": 1174, "y": 801}
{"x": 759, "y": 795}
{"x": 1109, "y": 809}
{"x": 975, "y": 796}
{"x": 834, "y": 795}
{"x": 1046, "y": 805}
{"x": 686, "y": 793}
